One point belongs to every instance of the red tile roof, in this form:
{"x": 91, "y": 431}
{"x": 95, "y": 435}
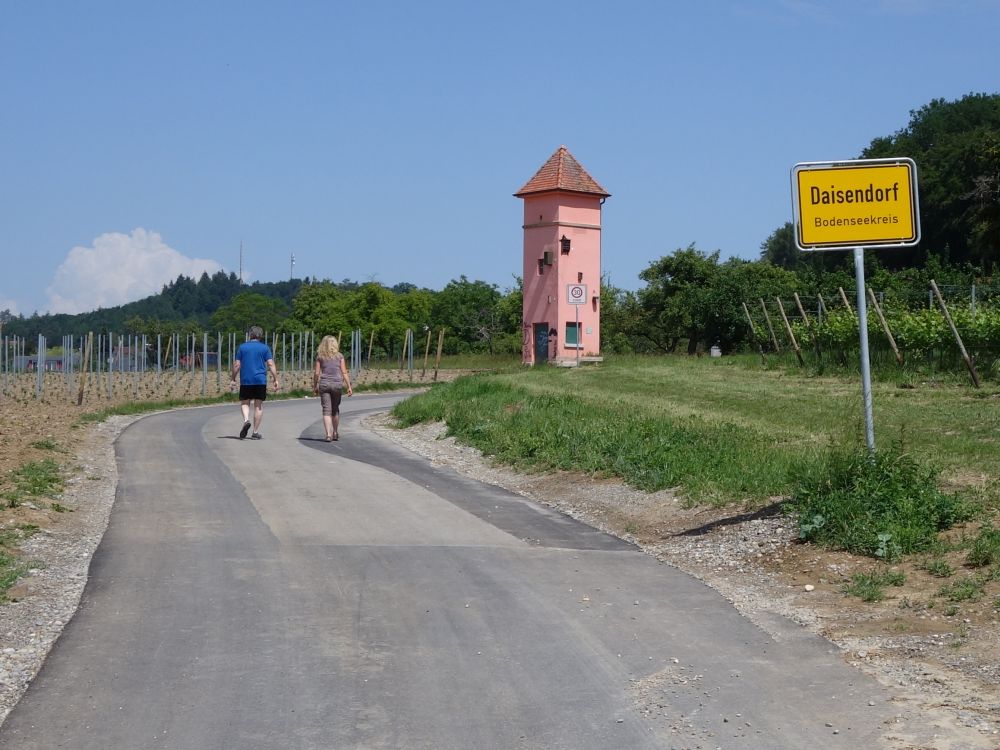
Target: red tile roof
{"x": 562, "y": 172}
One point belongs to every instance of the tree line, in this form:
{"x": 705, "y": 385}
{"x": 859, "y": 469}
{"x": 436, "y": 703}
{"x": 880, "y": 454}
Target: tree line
{"x": 688, "y": 300}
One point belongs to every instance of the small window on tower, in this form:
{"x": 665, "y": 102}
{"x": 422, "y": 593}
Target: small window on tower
{"x": 541, "y": 266}
{"x": 564, "y": 243}
{"x": 573, "y": 336}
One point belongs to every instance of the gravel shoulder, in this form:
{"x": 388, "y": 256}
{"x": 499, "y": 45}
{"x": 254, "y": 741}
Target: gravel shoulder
{"x": 944, "y": 672}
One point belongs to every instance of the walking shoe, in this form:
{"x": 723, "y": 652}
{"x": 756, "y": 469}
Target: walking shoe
{"x": 245, "y": 430}
{"x": 255, "y": 436}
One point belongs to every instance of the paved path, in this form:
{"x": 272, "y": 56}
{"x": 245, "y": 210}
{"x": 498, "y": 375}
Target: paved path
{"x": 291, "y": 593}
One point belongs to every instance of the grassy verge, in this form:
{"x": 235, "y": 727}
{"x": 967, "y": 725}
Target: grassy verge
{"x": 536, "y": 429}
{"x": 717, "y": 428}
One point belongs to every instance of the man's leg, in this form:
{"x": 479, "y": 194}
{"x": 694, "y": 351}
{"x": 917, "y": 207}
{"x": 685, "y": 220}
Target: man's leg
{"x": 245, "y": 408}
{"x": 258, "y": 415}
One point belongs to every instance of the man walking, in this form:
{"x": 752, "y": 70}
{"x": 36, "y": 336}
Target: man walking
{"x": 252, "y": 361}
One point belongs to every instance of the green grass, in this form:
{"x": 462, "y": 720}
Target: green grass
{"x": 870, "y": 587}
{"x": 716, "y": 428}
{"x": 883, "y": 505}
{"x": 14, "y": 534}
{"x": 938, "y": 568}
{"x": 32, "y": 480}
{"x": 537, "y": 426}
{"x": 45, "y": 445}
{"x": 985, "y": 548}
{"x": 968, "y": 589}
{"x": 11, "y": 568}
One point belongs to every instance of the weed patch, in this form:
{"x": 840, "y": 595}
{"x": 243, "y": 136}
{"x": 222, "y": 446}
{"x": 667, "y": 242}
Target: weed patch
{"x": 45, "y": 445}
{"x": 883, "y": 505}
{"x": 938, "y": 568}
{"x": 870, "y": 587}
{"x": 985, "y": 549}
{"x": 968, "y": 589}
{"x": 11, "y": 568}
{"x": 35, "y": 479}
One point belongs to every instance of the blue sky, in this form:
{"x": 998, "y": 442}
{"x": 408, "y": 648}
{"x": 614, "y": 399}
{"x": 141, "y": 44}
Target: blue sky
{"x": 383, "y": 140}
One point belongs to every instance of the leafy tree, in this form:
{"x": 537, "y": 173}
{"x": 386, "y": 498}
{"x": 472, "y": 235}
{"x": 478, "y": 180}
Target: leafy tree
{"x": 247, "y": 309}
{"x": 509, "y": 314}
{"x": 956, "y": 146}
{"x": 674, "y": 304}
{"x": 692, "y": 297}
{"x": 780, "y": 248}
{"x": 738, "y": 281}
{"x": 468, "y": 309}
{"x": 620, "y": 317}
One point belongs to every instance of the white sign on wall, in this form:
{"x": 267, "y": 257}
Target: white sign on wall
{"x": 576, "y": 294}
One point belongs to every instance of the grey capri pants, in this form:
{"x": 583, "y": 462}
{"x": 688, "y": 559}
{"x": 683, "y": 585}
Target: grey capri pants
{"x": 329, "y": 396}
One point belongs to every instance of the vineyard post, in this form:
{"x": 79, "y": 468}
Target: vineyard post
{"x": 885, "y": 326}
{"x": 753, "y": 334}
{"x": 427, "y": 351}
{"x": 83, "y": 374}
{"x": 788, "y": 330}
{"x": 204, "y": 363}
{"x": 812, "y": 332}
{"x": 111, "y": 364}
{"x": 821, "y": 308}
{"x": 409, "y": 351}
{"x": 843, "y": 298}
{"x": 40, "y": 366}
{"x": 770, "y": 328}
{"x": 954, "y": 331}
{"x": 437, "y": 359}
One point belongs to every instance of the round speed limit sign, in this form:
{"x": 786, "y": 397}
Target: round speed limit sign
{"x": 576, "y": 294}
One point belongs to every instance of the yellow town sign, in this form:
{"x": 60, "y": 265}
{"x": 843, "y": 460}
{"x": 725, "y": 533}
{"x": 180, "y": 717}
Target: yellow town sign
{"x": 864, "y": 203}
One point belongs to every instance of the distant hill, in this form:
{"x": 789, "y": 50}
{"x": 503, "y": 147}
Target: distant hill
{"x": 182, "y": 301}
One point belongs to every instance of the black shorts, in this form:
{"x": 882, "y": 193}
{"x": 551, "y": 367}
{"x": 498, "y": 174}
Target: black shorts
{"x": 253, "y": 393}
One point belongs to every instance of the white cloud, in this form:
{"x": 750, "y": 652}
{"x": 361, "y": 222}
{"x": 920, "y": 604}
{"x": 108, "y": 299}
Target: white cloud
{"x": 119, "y": 268}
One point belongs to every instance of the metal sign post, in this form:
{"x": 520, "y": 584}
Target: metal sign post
{"x": 866, "y": 370}
{"x": 857, "y": 204}
{"x": 576, "y": 295}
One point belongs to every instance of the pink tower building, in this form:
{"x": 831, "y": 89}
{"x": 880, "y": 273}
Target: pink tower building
{"x": 562, "y": 263}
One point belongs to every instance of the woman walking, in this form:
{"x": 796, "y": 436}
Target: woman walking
{"x": 330, "y": 376}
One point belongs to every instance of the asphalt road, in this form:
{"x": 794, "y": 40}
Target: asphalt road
{"x": 292, "y": 593}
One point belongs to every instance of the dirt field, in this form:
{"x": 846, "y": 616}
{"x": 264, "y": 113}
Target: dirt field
{"x": 945, "y": 656}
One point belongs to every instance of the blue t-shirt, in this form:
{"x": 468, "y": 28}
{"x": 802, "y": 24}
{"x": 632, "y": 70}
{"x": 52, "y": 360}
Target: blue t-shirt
{"x": 253, "y": 356}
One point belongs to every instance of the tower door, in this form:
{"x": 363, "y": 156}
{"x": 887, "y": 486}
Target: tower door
{"x": 541, "y": 343}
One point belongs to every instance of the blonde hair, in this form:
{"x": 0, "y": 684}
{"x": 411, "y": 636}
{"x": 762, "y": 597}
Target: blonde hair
{"x": 328, "y": 347}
